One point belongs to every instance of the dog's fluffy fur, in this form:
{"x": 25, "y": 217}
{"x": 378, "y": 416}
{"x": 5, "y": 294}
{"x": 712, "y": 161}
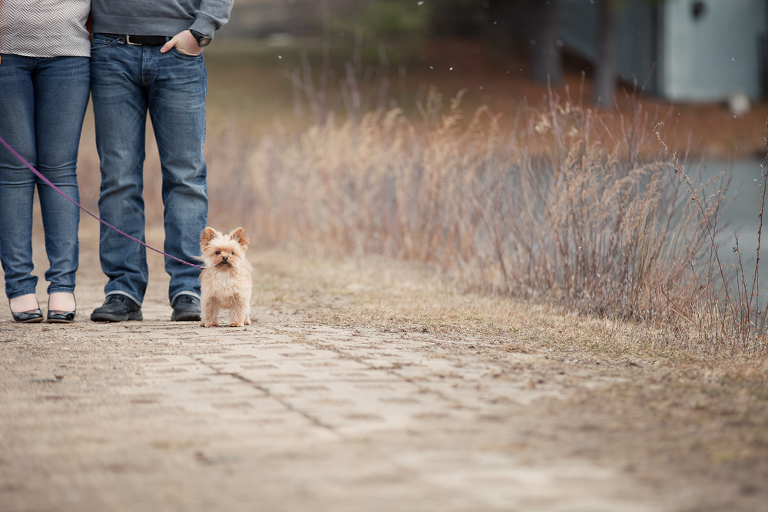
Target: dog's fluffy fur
{"x": 227, "y": 277}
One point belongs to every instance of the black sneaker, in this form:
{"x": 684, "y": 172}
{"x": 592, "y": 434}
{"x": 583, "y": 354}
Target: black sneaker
{"x": 186, "y": 308}
{"x": 117, "y": 308}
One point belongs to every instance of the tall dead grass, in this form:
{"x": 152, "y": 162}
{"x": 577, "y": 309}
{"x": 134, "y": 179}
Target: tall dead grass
{"x": 560, "y": 208}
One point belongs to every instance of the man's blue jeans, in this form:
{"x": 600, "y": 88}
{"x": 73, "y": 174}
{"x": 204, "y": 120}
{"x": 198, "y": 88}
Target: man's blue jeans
{"x": 128, "y": 81}
{"x": 42, "y": 106}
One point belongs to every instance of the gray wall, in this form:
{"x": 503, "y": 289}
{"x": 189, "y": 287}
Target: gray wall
{"x": 721, "y": 52}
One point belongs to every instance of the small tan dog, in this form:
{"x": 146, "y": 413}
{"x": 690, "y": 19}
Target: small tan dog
{"x": 227, "y": 277}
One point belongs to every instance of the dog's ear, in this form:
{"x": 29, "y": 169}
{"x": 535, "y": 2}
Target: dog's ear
{"x": 240, "y": 237}
{"x": 206, "y": 236}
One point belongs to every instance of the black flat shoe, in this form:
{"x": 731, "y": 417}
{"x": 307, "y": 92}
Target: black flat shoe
{"x": 28, "y": 317}
{"x": 60, "y": 317}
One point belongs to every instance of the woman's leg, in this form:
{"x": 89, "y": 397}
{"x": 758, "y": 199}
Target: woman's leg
{"x": 17, "y": 183}
{"x": 62, "y": 86}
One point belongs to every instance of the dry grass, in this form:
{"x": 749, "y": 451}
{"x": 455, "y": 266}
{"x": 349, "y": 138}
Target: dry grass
{"x": 560, "y": 210}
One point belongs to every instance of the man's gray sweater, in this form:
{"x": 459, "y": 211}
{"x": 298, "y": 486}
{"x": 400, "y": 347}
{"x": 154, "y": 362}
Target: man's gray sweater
{"x": 159, "y": 17}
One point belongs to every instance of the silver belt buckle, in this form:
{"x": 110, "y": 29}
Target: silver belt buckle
{"x": 128, "y": 41}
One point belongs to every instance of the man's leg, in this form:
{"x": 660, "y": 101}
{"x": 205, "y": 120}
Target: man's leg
{"x": 120, "y": 106}
{"x": 177, "y": 108}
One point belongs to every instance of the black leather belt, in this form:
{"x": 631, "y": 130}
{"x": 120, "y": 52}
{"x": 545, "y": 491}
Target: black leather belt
{"x": 141, "y": 40}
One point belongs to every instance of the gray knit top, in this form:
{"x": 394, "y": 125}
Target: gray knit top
{"x": 159, "y": 17}
{"x": 45, "y": 28}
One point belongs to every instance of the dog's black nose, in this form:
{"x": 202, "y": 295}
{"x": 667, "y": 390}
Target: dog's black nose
{"x": 224, "y": 258}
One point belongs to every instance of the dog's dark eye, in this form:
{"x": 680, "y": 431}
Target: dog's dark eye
{"x": 218, "y": 252}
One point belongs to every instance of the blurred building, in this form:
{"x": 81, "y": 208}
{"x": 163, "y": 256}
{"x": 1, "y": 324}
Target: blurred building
{"x": 682, "y": 50}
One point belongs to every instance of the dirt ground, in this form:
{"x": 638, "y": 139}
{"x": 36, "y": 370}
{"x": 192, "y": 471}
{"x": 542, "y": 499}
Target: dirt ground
{"x": 369, "y": 385}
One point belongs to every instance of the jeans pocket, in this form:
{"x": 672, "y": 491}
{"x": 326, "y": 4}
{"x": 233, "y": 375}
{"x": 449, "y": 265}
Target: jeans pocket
{"x": 186, "y": 56}
{"x": 101, "y": 42}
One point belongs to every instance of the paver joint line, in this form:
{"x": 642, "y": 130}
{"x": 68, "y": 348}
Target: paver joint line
{"x": 265, "y": 390}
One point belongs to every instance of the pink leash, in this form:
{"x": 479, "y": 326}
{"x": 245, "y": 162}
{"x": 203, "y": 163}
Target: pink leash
{"x": 54, "y": 187}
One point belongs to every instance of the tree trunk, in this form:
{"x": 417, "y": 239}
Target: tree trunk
{"x": 546, "y": 55}
{"x": 607, "y": 55}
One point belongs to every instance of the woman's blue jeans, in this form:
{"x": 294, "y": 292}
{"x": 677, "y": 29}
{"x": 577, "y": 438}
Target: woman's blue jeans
{"x": 42, "y": 106}
{"x": 128, "y": 81}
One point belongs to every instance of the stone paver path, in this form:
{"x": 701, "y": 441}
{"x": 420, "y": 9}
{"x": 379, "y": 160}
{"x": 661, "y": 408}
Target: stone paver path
{"x": 161, "y": 416}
